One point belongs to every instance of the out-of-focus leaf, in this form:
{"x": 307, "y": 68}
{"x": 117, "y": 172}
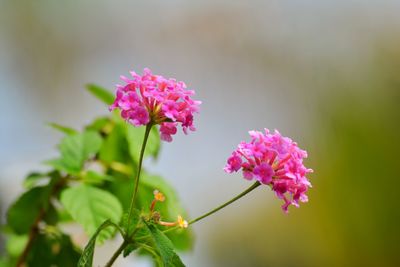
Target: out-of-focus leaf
{"x": 41, "y": 252}
{"x": 63, "y": 129}
{"x": 132, "y": 223}
{"x": 75, "y": 149}
{"x": 68, "y": 255}
{"x": 101, "y": 124}
{"x": 16, "y": 244}
{"x": 122, "y": 189}
{"x": 93, "y": 177}
{"x": 86, "y": 259}
{"x": 91, "y": 206}
{"x": 135, "y": 137}
{"x": 51, "y": 215}
{"x": 64, "y": 216}
{"x": 23, "y": 213}
{"x": 51, "y": 251}
{"x": 33, "y": 178}
{"x": 164, "y": 247}
{"x": 115, "y": 146}
{"x": 101, "y": 93}
{"x": 5, "y": 262}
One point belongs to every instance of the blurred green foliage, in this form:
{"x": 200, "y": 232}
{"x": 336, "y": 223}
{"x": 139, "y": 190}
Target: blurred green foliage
{"x": 91, "y": 183}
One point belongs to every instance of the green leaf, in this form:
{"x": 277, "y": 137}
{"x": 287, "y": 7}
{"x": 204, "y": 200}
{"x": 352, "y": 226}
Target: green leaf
{"x": 101, "y": 93}
{"x": 149, "y": 250}
{"x": 5, "y": 262}
{"x": 90, "y": 207}
{"x": 136, "y": 214}
{"x": 53, "y": 251}
{"x": 63, "y": 129}
{"x": 51, "y": 216}
{"x": 100, "y": 125}
{"x": 33, "y": 178}
{"x": 169, "y": 209}
{"x": 122, "y": 189}
{"x": 129, "y": 249}
{"x": 96, "y": 178}
{"x": 75, "y": 149}
{"x": 115, "y": 146}
{"x": 68, "y": 255}
{"x": 165, "y": 247}
{"x": 40, "y": 254}
{"x": 16, "y": 244}
{"x": 86, "y": 259}
{"x": 23, "y": 213}
{"x": 135, "y": 139}
{"x": 64, "y": 216}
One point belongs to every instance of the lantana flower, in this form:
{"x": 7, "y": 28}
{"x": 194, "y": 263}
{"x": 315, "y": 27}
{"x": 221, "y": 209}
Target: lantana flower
{"x": 151, "y": 98}
{"x": 273, "y": 160}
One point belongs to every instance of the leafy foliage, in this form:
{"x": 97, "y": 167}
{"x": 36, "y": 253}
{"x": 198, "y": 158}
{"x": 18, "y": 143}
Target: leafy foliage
{"x": 33, "y": 178}
{"x": 135, "y": 139}
{"x": 96, "y": 178}
{"x": 23, "y": 213}
{"x": 75, "y": 149}
{"x": 91, "y": 206}
{"x": 86, "y": 259}
{"x": 91, "y": 183}
{"x": 115, "y": 145}
{"x": 165, "y": 247}
{"x": 130, "y": 226}
{"x": 63, "y": 129}
{"x": 101, "y": 93}
{"x": 130, "y": 248}
{"x": 169, "y": 209}
{"x": 53, "y": 251}
{"x": 16, "y": 244}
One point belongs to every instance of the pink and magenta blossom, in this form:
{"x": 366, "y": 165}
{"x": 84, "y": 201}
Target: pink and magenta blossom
{"x": 151, "y": 98}
{"x": 273, "y": 160}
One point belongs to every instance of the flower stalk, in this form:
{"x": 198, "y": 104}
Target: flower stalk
{"x": 242, "y": 194}
{"x": 137, "y": 178}
{"x": 128, "y": 236}
{"x": 245, "y": 192}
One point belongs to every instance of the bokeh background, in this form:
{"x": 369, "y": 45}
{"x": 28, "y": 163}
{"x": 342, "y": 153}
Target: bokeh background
{"x": 326, "y": 73}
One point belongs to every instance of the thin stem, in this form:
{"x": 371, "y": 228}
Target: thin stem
{"x": 245, "y": 192}
{"x": 116, "y": 253}
{"x": 128, "y": 236}
{"x": 146, "y": 136}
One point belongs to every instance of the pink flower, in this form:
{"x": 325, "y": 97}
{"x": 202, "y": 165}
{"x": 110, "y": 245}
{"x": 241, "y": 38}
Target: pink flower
{"x": 138, "y": 116}
{"x": 276, "y": 161}
{"x": 263, "y": 173}
{"x": 234, "y": 163}
{"x": 167, "y": 129}
{"x": 150, "y": 98}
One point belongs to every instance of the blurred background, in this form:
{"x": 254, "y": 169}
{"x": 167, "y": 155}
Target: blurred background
{"x": 326, "y": 73}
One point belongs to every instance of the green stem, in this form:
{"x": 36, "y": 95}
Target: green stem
{"x": 245, "y": 192}
{"x": 146, "y": 136}
{"x": 116, "y": 253}
{"x": 127, "y": 237}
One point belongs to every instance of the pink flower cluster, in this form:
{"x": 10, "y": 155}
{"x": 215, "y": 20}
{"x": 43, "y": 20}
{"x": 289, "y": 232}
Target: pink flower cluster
{"x": 276, "y": 161}
{"x": 150, "y": 98}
